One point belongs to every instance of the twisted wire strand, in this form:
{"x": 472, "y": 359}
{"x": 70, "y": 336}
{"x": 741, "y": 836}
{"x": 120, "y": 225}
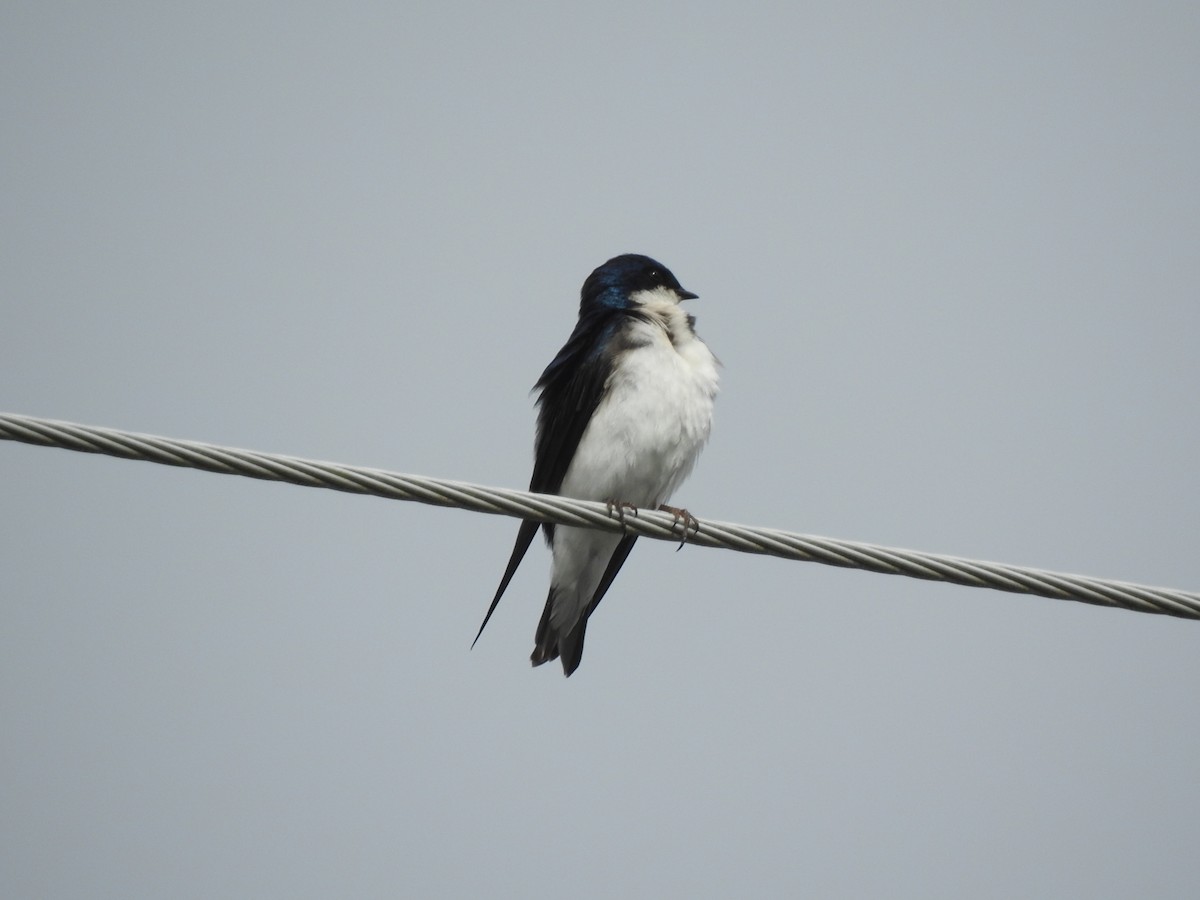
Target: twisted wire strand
{"x": 586, "y": 514}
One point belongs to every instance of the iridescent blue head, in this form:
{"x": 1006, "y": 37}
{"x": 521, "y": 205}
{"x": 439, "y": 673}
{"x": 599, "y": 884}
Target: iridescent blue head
{"x": 616, "y": 284}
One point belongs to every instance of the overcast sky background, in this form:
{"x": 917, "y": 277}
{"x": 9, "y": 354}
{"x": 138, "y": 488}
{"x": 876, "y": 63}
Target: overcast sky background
{"x": 949, "y": 258}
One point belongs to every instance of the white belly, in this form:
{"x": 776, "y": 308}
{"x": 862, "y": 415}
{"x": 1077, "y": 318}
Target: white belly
{"x": 645, "y": 436}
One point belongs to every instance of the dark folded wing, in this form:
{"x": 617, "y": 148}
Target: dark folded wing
{"x": 571, "y": 388}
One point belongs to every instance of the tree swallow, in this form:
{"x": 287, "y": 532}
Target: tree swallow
{"x": 624, "y": 410}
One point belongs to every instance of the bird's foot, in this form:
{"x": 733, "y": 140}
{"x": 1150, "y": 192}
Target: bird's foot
{"x": 620, "y": 506}
{"x": 690, "y": 522}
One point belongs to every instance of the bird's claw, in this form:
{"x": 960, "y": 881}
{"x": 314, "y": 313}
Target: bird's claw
{"x": 689, "y": 521}
{"x": 620, "y": 506}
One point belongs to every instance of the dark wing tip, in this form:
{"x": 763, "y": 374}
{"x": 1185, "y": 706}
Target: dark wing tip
{"x": 524, "y": 539}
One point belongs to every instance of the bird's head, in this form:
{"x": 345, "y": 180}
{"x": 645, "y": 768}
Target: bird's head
{"x": 628, "y": 282}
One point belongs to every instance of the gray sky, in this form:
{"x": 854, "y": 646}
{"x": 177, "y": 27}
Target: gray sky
{"x": 948, "y": 257}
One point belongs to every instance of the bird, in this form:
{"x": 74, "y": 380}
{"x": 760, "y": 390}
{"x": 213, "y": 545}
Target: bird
{"x": 624, "y": 410}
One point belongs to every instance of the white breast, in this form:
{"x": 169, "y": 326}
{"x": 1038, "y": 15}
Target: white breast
{"x": 645, "y": 436}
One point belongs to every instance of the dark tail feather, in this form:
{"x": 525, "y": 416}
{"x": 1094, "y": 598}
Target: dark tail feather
{"x": 524, "y": 539}
{"x": 570, "y": 648}
{"x": 550, "y": 645}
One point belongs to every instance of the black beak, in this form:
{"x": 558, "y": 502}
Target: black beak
{"x": 687, "y": 295}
